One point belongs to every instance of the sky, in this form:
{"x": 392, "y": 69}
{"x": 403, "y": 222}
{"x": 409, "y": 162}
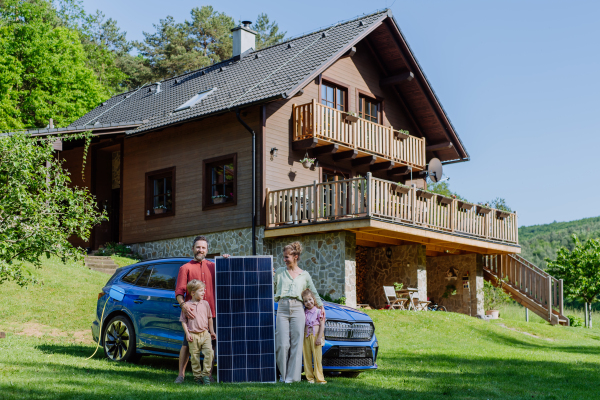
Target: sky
{"x": 518, "y": 79}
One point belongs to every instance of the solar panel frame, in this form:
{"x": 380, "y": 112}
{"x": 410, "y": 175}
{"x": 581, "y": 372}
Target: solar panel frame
{"x": 243, "y": 360}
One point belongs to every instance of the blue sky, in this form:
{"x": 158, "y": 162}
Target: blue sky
{"x": 519, "y": 80}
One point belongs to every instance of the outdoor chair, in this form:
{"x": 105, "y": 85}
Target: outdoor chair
{"x": 420, "y": 305}
{"x": 393, "y": 301}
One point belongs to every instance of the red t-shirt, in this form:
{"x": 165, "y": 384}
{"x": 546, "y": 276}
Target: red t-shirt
{"x": 204, "y": 272}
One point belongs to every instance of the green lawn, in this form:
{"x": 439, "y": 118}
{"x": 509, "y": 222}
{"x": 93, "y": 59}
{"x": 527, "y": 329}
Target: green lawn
{"x": 430, "y": 355}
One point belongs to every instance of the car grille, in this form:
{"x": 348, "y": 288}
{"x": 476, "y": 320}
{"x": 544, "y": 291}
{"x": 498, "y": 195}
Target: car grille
{"x": 346, "y": 356}
{"x": 348, "y": 362}
{"x": 356, "y": 332}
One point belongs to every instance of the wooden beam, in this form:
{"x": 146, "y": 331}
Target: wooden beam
{"x": 388, "y": 165}
{"x": 304, "y": 144}
{"x": 328, "y": 149}
{"x": 350, "y": 52}
{"x": 369, "y": 160}
{"x": 400, "y": 171}
{"x": 396, "y": 79}
{"x": 439, "y": 146}
{"x": 345, "y": 155}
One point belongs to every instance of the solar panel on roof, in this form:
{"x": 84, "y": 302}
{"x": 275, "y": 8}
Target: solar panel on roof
{"x": 245, "y": 319}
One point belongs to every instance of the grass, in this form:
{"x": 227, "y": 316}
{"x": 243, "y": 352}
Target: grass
{"x": 431, "y": 355}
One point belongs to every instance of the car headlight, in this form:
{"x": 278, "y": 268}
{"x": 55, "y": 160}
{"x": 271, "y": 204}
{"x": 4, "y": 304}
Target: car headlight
{"x": 359, "y": 331}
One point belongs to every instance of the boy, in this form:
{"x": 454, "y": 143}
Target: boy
{"x": 199, "y": 331}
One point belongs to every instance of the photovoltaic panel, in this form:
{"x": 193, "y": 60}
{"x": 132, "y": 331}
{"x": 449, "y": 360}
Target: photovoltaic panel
{"x": 245, "y": 319}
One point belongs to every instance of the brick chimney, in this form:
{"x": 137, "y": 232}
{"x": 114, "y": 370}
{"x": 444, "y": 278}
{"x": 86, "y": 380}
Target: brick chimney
{"x": 244, "y": 38}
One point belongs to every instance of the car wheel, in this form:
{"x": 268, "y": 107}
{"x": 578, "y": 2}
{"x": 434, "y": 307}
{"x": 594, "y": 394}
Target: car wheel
{"x": 351, "y": 374}
{"x": 119, "y": 340}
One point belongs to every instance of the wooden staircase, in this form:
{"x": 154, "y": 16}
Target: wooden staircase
{"x": 528, "y": 285}
{"x": 101, "y": 264}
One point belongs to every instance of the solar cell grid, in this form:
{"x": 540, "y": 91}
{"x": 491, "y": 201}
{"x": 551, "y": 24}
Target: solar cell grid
{"x": 245, "y": 319}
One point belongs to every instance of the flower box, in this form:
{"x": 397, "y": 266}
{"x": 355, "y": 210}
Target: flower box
{"x": 400, "y": 189}
{"x": 400, "y": 136}
{"x": 159, "y": 211}
{"x": 443, "y": 199}
{"x": 350, "y": 117}
{"x": 425, "y": 194}
{"x": 502, "y": 214}
{"x": 219, "y": 200}
{"x": 483, "y": 210}
{"x": 463, "y": 205}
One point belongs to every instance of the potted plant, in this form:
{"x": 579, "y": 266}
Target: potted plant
{"x": 401, "y": 134}
{"x": 350, "y": 116}
{"x": 493, "y": 298}
{"x": 160, "y": 209}
{"x": 219, "y": 199}
{"x": 398, "y": 286}
{"x": 307, "y": 162}
{"x": 450, "y": 291}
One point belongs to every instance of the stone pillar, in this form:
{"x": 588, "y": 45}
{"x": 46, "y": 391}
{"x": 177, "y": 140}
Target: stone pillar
{"x": 477, "y": 283}
{"x": 330, "y": 258}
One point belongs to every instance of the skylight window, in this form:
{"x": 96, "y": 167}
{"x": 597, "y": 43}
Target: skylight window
{"x": 194, "y": 100}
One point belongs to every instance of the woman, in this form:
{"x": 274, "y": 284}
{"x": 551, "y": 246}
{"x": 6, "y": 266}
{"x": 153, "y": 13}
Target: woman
{"x": 289, "y": 282}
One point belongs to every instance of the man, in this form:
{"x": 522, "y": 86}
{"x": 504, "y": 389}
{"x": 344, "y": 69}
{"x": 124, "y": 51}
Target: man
{"x": 203, "y": 270}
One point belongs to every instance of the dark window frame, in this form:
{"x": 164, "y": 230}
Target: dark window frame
{"x": 326, "y": 81}
{"x": 160, "y": 173}
{"x": 207, "y": 182}
{"x": 360, "y": 95}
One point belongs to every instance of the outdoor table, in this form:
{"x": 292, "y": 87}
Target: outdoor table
{"x": 410, "y": 292}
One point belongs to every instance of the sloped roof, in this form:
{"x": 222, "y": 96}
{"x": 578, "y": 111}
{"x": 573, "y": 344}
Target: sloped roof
{"x": 270, "y": 73}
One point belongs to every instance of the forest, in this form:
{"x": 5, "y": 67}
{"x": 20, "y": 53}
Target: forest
{"x": 58, "y": 61}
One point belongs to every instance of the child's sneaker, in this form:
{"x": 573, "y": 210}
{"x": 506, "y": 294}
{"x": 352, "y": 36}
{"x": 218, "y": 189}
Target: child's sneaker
{"x": 206, "y": 380}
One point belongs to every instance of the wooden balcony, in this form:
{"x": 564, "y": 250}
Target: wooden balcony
{"x": 385, "y": 209}
{"x": 328, "y": 125}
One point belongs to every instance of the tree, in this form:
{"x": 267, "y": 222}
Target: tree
{"x": 43, "y": 69}
{"x": 268, "y": 33}
{"x": 39, "y": 210}
{"x": 580, "y": 271}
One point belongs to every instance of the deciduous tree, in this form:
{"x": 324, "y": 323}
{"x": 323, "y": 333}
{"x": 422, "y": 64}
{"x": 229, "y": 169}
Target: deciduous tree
{"x": 39, "y": 210}
{"x": 580, "y": 271}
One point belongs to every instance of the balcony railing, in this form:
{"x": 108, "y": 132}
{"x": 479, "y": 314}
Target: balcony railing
{"x": 384, "y": 200}
{"x": 330, "y": 125}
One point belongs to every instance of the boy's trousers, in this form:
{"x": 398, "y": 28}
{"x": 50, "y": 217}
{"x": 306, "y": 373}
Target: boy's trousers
{"x": 310, "y": 352}
{"x": 201, "y": 343}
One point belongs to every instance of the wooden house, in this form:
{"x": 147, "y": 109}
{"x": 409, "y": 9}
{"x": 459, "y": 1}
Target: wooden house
{"x": 173, "y": 159}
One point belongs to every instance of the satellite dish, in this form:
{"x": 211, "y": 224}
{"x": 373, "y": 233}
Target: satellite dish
{"x": 434, "y": 170}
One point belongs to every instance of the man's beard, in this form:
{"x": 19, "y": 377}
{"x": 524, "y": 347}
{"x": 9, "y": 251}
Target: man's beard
{"x": 199, "y": 257}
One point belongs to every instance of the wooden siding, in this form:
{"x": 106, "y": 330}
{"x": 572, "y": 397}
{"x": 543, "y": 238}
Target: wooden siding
{"x": 185, "y": 147}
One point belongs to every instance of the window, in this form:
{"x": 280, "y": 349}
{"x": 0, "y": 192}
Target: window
{"x": 164, "y": 276}
{"x": 369, "y": 109}
{"x": 160, "y": 193}
{"x": 132, "y": 276}
{"x": 194, "y": 100}
{"x": 143, "y": 280}
{"x": 333, "y": 96}
{"x": 220, "y": 181}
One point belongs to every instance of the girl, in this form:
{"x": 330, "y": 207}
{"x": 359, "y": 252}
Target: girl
{"x": 314, "y": 337}
{"x": 289, "y": 282}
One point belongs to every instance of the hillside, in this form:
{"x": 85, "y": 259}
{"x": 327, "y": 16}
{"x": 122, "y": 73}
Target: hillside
{"x": 541, "y": 241}
{"x": 422, "y": 355}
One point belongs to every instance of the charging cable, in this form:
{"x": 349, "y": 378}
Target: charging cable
{"x": 100, "y": 332}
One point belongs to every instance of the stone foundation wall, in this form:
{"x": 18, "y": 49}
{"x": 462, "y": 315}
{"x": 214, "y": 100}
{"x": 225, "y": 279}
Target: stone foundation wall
{"x": 236, "y": 242}
{"x": 407, "y": 265}
{"x": 328, "y": 257}
{"x": 466, "y": 301}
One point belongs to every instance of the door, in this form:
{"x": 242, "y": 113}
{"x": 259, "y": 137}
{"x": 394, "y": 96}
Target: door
{"x": 158, "y": 315}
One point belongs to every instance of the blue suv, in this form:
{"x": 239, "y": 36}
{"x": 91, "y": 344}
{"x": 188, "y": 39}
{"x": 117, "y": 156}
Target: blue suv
{"x": 146, "y": 321}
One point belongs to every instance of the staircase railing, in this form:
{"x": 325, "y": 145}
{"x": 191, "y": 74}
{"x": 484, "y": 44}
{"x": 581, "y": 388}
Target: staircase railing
{"x": 532, "y": 282}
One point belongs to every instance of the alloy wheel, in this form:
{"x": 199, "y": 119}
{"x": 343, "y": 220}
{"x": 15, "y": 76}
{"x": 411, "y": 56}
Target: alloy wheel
{"x": 116, "y": 340}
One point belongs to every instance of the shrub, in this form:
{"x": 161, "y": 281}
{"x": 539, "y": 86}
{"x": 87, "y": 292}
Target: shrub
{"x": 575, "y": 321}
{"x": 327, "y": 297}
{"x": 494, "y": 297}
{"x": 118, "y": 249}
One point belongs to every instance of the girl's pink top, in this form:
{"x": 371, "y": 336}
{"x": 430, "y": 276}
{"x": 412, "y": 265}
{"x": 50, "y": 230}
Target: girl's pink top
{"x": 313, "y": 318}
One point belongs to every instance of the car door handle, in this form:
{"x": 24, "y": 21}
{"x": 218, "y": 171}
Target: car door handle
{"x": 138, "y": 301}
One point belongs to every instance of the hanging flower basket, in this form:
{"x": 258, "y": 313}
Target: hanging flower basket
{"x": 307, "y": 162}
